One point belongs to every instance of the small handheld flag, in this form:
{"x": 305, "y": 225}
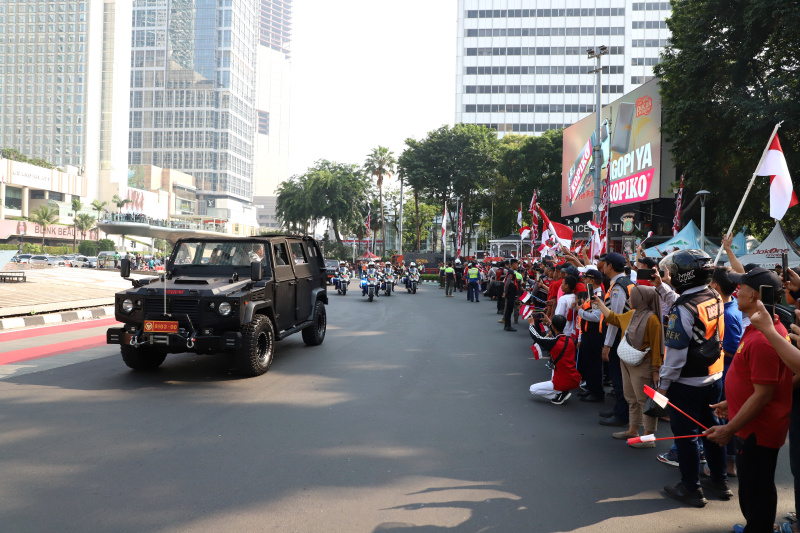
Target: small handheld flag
{"x": 662, "y": 400}
{"x": 537, "y": 352}
{"x": 652, "y": 438}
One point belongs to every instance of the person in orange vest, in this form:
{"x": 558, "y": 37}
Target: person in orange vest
{"x": 592, "y": 328}
{"x": 692, "y": 371}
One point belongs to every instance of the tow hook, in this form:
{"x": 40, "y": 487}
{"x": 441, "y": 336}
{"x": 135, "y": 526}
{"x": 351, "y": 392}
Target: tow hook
{"x": 190, "y": 342}
{"x": 133, "y": 341}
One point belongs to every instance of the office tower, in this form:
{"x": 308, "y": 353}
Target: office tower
{"x": 522, "y": 67}
{"x": 272, "y": 97}
{"x": 192, "y": 95}
{"x": 64, "y": 78}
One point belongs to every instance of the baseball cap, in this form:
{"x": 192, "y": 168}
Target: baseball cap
{"x": 617, "y": 261}
{"x": 571, "y": 270}
{"x": 756, "y": 277}
{"x": 593, "y": 273}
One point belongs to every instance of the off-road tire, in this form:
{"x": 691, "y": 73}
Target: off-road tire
{"x": 314, "y": 335}
{"x": 142, "y": 359}
{"x": 258, "y": 347}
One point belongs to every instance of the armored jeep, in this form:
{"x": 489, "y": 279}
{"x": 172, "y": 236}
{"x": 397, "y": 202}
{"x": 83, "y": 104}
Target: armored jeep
{"x": 233, "y": 295}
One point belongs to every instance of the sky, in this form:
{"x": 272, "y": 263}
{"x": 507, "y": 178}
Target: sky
{"x": 368, "y": 73}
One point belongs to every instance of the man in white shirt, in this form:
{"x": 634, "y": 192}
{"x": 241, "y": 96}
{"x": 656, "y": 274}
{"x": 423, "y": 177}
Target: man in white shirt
{"x": 564, "y": 304}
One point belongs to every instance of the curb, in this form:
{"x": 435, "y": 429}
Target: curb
{"x": 55, "y": 318}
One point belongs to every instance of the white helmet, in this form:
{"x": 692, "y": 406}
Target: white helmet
{"x": 341, "y": 263}
{"x": 371, "y": 264}
{"x": 458, "y": 261}
{"x": 413, "y": 264}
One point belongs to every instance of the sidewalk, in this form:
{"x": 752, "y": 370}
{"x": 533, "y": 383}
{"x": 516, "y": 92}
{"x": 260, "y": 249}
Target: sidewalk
{"x": 62, "y": 291}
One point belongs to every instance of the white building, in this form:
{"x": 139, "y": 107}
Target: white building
{"x": 273, "y": 91}
{"x": 64, "y": 78}
{"x": 522, "y": 66}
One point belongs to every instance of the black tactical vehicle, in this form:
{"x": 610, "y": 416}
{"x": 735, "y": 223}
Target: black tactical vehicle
{"x": 236, "y": 295}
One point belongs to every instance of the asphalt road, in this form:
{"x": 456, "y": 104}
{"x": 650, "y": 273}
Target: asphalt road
{"x": 413, "y": 416}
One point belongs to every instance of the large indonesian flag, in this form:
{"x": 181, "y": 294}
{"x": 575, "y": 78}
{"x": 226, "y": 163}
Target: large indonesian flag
{"x": 559, "y": 232}
{"x": 781, "y": 192}
{"x": 444, "y": 228}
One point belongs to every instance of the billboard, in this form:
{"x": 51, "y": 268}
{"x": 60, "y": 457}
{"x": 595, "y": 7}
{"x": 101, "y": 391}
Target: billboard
{"x": 630, "y": 148}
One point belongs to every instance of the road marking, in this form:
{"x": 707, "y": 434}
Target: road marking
{"x": 55, "y": 330}
{"x": 27, "y": 354}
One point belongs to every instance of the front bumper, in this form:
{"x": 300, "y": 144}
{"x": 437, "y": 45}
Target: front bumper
{"x": 230, "y": 340}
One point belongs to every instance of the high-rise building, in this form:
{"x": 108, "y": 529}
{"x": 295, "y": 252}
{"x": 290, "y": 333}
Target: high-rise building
{"x": 273, "y": 93}
{"x": 193, "y": 94}
{"x": 522, "y": 66}
{"x": 64, "y": 79}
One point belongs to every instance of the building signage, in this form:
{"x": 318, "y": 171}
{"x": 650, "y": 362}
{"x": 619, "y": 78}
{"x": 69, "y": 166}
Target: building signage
{"x": 27, "y": 175}
{"x": 22, "y": 228}
{"x": 630, "y": 144}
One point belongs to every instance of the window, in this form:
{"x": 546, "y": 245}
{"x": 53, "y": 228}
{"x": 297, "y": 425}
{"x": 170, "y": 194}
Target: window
{"x": 281, "y": 257}
{"x": 298, "y": 255}
{"x": 263, "y": 122}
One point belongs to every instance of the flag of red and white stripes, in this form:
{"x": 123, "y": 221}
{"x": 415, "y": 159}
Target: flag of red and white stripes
{"x": 781, "y": 191}
{"x": 535, "y": 222}
{"x": 559, "y": 232}
{"x": 676, "y": 222}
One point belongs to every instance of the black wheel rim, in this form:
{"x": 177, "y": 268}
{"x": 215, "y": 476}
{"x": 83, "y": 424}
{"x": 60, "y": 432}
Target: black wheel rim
{"x": 322, "y": 322}
{"x": 263, "y": 348}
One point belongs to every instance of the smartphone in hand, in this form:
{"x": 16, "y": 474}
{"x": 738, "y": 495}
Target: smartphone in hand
{"x": 645, "y": 274}
{"x": 767, "y": 295}
{"x": 785, "y": 265}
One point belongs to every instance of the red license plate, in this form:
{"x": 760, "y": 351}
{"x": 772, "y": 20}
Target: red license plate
{"x": 160, "y": 326}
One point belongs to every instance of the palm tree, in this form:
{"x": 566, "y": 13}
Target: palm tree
{"x": 380, "y": 163}
{"x": 83, "y": 223}
{"x": 98, "y": 206}
{"x": 77, "y": 205}
{"x": 120, "y": 203}
{"x": 44, "y": 216}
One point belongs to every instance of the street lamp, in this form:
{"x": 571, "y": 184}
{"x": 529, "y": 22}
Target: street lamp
{"x": 703, "y": 195}
{"x": 597, "y": 53}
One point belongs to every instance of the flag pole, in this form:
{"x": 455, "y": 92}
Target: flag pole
{"x": 750, "y": 186}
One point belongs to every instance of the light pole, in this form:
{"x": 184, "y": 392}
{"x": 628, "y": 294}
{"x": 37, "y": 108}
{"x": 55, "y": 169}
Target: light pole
{"x": 597, "y": 53}
{"x": 703, "y": 195}
{"x": 400, "y": 238}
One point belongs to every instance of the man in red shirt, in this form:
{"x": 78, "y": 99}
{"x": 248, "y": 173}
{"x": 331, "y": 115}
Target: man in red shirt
{"x": 758, "y": 388}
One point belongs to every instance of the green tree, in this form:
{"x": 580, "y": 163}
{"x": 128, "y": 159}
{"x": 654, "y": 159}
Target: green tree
{"x": 417, "y": 220}
{"x": 728, "y": 74}
{"x": 293, "y": 206}
{"x": 120, "y": 202}
{"x": 99, "y": 206}
{"x": 77, "y": 205}
{"x": 84, "y": 223}
{"x": 45, "y": 217}
{"x": 337, "y": 192}
{"x": 380, "y": 164}
{"x": 16, "y": 155}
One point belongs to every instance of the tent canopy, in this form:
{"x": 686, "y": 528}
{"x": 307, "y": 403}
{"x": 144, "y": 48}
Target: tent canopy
{"x": 687, "y": 239}
{"x": 369, "y": 255}
{"x": 768, "y": 253}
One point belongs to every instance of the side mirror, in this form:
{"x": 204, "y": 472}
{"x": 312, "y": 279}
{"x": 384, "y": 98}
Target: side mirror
{"x": 256, "y": 273}
{"x": 125, "y": 268}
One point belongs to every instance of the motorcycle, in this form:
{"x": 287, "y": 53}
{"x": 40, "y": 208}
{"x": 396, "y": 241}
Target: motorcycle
{"x": 388, "y": 284}
{"x": 413, "y": 281}
{"x": 341, "y": 283}
{"x": 371, "y": 285}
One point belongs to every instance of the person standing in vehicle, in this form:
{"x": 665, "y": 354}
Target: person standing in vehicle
{"x": 450, "y": 279}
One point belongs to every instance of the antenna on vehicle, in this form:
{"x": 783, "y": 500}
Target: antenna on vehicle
{"x": 166, "y": 265}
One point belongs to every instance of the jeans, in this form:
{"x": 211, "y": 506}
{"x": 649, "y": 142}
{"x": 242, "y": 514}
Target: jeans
{"x": 590, "y": 362}
{"x": 615, "y": 373}
{"x": 695, "y": 402}
{"x": 758, "y": 498}
{"x": 473, "y": 292}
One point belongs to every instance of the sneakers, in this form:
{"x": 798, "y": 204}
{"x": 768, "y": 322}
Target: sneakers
{"x": 561, "y": 398}
{"x": 679, "y": 492}
{"x": 720, "y": 489}
{"x": 668, "y": 458}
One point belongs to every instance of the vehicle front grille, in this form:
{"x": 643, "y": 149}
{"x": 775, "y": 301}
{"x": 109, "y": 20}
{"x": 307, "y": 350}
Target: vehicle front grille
{"x": 176, "y": 306}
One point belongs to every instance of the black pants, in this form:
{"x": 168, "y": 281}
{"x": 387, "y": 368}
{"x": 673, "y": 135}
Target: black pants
{"x": 510, "y": 300}
{"x": 590, "y": 362}
{"x": 501, "y": 303}
{"x": 758, "y": 498}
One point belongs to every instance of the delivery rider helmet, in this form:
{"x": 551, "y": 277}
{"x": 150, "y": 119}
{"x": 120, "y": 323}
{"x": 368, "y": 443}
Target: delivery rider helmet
{"x": 688, "y": 269}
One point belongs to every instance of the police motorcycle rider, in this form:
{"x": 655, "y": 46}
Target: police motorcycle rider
{"x": 370, "y": 271}
{"x": 341, "y": 271}
{"x": 693, "y": 364}
{"x": 412, "y": 270}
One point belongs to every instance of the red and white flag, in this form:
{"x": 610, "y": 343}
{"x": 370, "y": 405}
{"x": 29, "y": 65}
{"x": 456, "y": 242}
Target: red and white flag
{"x": 537, "y": 351}
{"x": 523, "y": 232}
{"x": 657, "y": 397}
{"x": 460, "y": 221}
{"x": 605, "y": 207}
{"x": 519, "y": 215}
{"x": 649, "y": 234}
{"x": 444, "y": 228}
{"x": 781, "y": 192}
{"x": 594, "y": 249}
{"x": 525, "y": 311}
{"x": 559, "y": 232}
{"x": 676, "y": 222}
{"x": 525, "y": 297}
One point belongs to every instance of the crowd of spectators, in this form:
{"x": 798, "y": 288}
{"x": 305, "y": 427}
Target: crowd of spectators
{"x": 701, "y": 336}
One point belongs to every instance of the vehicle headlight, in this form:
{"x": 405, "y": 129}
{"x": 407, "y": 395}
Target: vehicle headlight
{"x": 224, "y": 308}
{"x": 127, "y": 305}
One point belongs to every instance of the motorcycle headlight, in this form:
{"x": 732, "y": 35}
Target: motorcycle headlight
{"x": 224, "y": 308}
{"x": 127, "y": 305}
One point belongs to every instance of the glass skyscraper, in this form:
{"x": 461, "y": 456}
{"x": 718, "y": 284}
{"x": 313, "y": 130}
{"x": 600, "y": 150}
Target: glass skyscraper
{"x": 193, "y": 91}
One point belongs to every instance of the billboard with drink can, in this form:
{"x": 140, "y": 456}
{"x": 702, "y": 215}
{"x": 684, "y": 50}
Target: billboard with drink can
{"x": 630, "y": 152}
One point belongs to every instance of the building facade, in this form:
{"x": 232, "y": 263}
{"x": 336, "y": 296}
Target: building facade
{"x": 64, "y": 85}
{"x": 522, "y": 67}
{"x": 273, "y": 92}
{"x": 192, "y": 96}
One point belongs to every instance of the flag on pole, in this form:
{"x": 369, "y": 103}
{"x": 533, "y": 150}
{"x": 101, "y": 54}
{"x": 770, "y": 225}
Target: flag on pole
{"x": 523, "y": 232}
{"x": 605, "y": 207}
{"x": 561, "y": 233}
{"x": 657, "y": 397}
{"x": 676, "y": 222}
{"x": 537, "y": 351}
{"x": 444, "y": 229}
{"x": 519, "y": 215}
{"x": 535, "y": 222}
{"x": 781, "y": 192}
{"x": 649, "y": 234}
{"x": 525, "y": 311}
{"x": 594, "y": 249}
{"x": 460, "y": 221}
